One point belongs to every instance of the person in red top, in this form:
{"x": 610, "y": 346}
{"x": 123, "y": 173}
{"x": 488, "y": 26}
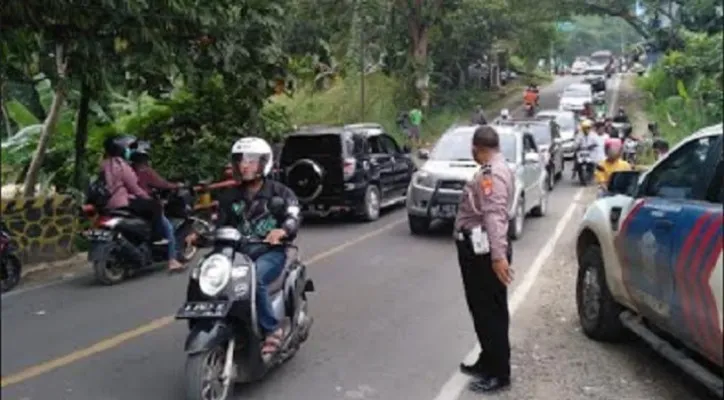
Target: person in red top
{"x": 149, "y": 179}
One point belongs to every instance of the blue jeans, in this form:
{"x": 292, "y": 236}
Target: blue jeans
{"x": 168, "y": 233}
{"x": 268, "y": 267}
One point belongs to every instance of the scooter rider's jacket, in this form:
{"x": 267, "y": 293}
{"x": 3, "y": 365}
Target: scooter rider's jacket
{"x": 251, "y": 216}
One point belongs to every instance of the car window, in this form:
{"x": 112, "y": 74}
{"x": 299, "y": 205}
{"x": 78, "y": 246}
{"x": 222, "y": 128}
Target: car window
{"x": 541, "y": 134}
{"x": 375, "y": 145}
{"x": 677, "y": 177}
{"x": 577, "y": 93}
{"x": 302, "y": 146}
{"x": 388, "y": 145}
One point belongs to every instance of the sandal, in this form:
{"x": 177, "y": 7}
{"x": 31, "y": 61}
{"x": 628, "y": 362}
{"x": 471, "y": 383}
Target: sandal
{"x": 179, "y": 268}
{"x": 273, "y": 342}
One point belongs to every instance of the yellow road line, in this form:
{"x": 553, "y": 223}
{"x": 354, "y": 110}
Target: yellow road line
{"x": 115, "y": 341}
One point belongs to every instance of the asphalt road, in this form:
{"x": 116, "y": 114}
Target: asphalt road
{"x": 390, "y": 322}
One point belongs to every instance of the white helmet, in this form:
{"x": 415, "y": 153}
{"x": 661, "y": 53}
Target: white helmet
{"x": 255, "y": 147}
{"x": 504, "y": 113}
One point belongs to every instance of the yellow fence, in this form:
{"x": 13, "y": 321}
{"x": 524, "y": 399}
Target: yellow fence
{"x": 43, "y": 228}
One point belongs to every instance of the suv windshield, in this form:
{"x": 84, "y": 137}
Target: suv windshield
{"x": 457, "y": 146}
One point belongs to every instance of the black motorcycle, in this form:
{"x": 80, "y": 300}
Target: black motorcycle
{"x": 10, "y": 266}
{"x": 224, "y": 344}
{"x": 122, "y": 243}
{"x": 584, "y": 166}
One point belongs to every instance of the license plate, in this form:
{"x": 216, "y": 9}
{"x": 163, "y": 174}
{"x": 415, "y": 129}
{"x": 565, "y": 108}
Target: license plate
{"x": 447, "y": 210}
{"x": 98, "y": 235}
{"x": 204, "y": 309}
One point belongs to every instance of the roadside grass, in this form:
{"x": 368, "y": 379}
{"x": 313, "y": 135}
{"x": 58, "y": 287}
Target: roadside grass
{"x": 383, "y": 96}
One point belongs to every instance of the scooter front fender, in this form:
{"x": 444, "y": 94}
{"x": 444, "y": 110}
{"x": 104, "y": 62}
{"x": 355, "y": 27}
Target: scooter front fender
{"x": 204, "y": 337}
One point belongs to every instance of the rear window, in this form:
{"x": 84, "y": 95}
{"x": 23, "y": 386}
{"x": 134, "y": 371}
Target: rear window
{"x": 311, "y": 146}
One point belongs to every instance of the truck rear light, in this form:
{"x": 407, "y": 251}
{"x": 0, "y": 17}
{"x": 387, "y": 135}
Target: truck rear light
{"x": 348, "y": 167}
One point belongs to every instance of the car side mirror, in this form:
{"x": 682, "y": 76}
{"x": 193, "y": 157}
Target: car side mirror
{"x": 406, "y": 149}
{"x": 423, "y": 154}
{"x": 277, "y": 207}
{"x": 531, "y": 158}
{"x": 624, "y": 182}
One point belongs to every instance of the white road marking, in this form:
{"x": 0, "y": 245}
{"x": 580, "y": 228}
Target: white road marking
{"x": 452, "y": 389}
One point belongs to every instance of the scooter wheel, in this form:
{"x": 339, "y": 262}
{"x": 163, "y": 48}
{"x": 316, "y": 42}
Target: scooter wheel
{"x": 203, "y": 379}
{"x": 11, "y": 273}
{"x": 108, "y": 272}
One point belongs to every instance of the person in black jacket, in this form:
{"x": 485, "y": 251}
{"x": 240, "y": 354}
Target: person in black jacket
{"x": 245, "y": 207}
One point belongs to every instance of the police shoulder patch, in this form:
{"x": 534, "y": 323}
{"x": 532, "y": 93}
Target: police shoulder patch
{"x": 486, "y": 183}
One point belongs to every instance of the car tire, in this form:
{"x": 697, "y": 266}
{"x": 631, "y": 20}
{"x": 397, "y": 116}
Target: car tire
{"x": 516, "y": 225}
{"x": 371, "y": 204}
{"x": 598, "y": 312}
{"x": 418, "y": 225}
{"x": 542, "y": 208}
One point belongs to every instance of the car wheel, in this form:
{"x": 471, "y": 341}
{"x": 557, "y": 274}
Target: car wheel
{"x": 371, "y": 205}
{"x": 542, "y": 208}
{"x": 515, "y": 226}
{"x": 598, "y": 312}
{"x": 418, "y": 225}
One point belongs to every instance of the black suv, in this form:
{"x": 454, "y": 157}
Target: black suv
{"x": 355, "y": 168}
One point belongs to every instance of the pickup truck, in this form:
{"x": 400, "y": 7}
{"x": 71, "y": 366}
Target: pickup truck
{"x": 650, "y": 258}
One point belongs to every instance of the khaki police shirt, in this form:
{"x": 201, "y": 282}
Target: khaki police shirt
{"x": 485, "y": 202}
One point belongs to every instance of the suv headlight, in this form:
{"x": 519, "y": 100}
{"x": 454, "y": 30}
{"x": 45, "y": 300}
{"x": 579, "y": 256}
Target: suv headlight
{"x": 214, "y": 274}
{"x": 424, "y": 178}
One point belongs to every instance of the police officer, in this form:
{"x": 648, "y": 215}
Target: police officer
{"x": 484, "y": 255}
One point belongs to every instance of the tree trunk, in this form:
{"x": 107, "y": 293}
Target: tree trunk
{"x": 420, "y": 40}
{"x": 81, "y": 136}
{"x": 49, "y": 124}
{"x": 4, "y": 110}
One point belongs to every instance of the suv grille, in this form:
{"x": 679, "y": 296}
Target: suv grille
{"x": 452, "y": 185}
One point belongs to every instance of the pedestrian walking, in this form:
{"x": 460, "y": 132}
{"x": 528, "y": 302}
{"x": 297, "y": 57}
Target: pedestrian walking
{"x": 415, "y": 117}
{"x": 484, "y": 254}
{"x": 478, "y": 117}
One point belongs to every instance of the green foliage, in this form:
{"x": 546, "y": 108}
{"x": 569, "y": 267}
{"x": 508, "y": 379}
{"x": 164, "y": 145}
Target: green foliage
{"x": 684, "y": 89}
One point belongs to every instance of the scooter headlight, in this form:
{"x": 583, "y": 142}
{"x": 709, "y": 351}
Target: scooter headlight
{"x": 214, "y": 274}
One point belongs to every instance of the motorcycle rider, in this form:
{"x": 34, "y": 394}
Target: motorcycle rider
{"x": 504, "y": 116}
{"x": 245, "y": 207}
{"x": 530, "y": 96}
{"x": 612, "y": 163}
{"x": 588, "y": 111}
{"x": 121, "y": 182}
{"x": 621, "y": 117}
{"x": 149, "y": 179}
{"x": 583, "y": 140}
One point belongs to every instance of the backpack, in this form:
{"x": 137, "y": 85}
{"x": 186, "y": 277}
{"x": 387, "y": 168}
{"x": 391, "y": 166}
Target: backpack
{"x": 98, "y": 194}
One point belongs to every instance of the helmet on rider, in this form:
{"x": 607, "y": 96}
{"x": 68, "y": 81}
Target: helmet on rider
{"x": 504, "y": 114}
{"x": 140, "y": 151}
{"x": 251, "y": 159}
{"x": 586, "y": 126}
{"x": 118, "y": 146}
{"x": 613, "y": 148}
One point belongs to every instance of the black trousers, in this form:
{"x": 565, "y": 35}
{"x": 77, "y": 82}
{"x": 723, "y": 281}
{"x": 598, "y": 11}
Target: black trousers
{"x": 148, "y": 209}
{"x": 487, "y": 300}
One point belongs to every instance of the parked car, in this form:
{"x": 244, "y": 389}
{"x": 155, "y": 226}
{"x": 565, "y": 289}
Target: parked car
{"x": 357, "y": 169}
{"x": 547, "y": 138}
{"x": 650, "y": 258}
{"x": 435, "y": 190}
{"x": 574, "y": 97}
{"x": 568, "y": 128}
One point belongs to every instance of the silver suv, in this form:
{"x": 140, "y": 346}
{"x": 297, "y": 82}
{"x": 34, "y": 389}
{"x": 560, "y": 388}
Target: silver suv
{"x": 435, "y": 190}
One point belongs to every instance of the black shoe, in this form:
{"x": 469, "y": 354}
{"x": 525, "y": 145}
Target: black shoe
{"x": 474, "y": 370}
{"x": 489, "y": 385}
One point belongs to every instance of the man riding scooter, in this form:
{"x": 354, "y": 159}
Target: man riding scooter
{"x": 530, "y": 99}
{"x": 148, "y": 180}
{"x": 245, "y": 207}
{"x": 584, "y": 140}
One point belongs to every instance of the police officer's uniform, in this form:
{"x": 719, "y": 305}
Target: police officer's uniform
{"x": 483, "y": 212}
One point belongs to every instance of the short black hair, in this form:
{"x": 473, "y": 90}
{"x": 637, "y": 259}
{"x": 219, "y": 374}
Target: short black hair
{"x": 486, "y": 137}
